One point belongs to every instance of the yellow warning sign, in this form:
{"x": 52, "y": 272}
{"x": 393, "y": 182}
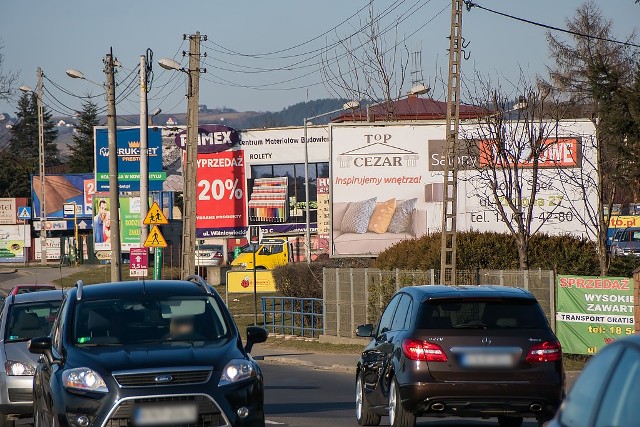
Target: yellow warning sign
{"x": 155, "y": 239}
{"x": 155, "y": 216}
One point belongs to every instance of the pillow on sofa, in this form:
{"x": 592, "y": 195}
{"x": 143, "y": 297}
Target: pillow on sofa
{"x": 401, "y": 221}
{"x": 382, "y": 215}
{"x": 356, "y": 218}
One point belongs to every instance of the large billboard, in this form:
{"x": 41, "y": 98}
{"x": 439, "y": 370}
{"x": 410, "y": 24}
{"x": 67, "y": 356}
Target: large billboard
{"x": 61, "y": 189}
{"x": 387, "y": 185}
{"x": 593, "y": 311}
{"x": 129, "y": 222}
{"x": 13, "y": 241}
{"x": 128, "y": 148}
{"x": 9, "y": 210}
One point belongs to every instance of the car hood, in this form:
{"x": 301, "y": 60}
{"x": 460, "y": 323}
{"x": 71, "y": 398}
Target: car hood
{"x": 19, "y": 352}
{"x": 108, "y": 359}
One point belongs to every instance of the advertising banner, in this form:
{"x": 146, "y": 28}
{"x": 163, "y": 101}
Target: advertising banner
{"x": 128, "y": 141}
{"x": 53, "y": 249}
{"x": 13, "y": 240}
{"x": 241, "y": 282}
{"x": 60, "y": 190}
{"x": 221, "y": 199}
{"x": 387, "y": 186}
{"x": 592, "y": 312}
{"x": 129, "y": 222}
{"x": 89, "y": 191}
{"x": 9, "y": 210}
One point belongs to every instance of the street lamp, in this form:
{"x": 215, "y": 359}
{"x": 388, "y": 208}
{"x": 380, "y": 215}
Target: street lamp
{"x": 155, "y": 113}
{"x": 351, "y": 105}
{"x": 43, "y": 211}
{"x": 190, "y": 171}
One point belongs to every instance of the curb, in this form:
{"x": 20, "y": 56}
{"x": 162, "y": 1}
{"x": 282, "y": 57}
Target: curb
{"x": 278, "y": 360}
{"x": 8, "y": 271}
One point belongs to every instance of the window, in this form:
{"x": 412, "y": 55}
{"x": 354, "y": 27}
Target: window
{"x": 387, "y": 316}
{"x": 262, "y": 171}
{"x": 30, "y": 320}
{"x": 584, "y": 397}
{"x": 481, "y": 314}
{"x": 619, "y": 406}
{"x": 401, "y": 313}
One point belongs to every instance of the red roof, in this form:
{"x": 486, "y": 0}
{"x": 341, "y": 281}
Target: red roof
{"x": 410, "y": 108}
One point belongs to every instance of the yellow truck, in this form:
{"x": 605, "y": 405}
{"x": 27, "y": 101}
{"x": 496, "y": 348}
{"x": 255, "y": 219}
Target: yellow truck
{"x": 270, "y": 253}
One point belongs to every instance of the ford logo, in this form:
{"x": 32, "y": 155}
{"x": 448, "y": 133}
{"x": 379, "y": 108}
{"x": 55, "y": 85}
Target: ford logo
{"x": 163, "y": 379}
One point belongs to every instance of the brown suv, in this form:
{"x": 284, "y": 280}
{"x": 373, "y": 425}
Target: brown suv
{"x": 468, "y": 351}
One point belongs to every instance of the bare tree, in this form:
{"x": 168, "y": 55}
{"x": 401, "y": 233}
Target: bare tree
{"x": 372, "y": 64}
{"x": 512, "y": 144}
{"x": 591, "y": 71}
{"x": 7, "y": 78}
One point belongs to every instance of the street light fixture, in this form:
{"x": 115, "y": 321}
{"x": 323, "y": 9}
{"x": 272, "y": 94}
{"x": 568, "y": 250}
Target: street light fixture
{"x": 350, "y": 105}
{"x": 43, "y": 211}
{"x": 419, "y": 89}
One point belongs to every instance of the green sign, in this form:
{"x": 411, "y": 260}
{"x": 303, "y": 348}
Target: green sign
{"x": 130, "y": 222}
{"x": 129, "y": 176}
{"x": 592, "y": 312}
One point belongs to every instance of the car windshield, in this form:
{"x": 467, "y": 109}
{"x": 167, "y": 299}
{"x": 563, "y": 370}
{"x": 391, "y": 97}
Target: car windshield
{"x": 212, "y": 248}
{"x": 630, "y": 236}
{"x": 481, "y": 314}
{"x": 247, "y": 249}
{"x": 30, "y": 320}
{"x": 148, "y": 319}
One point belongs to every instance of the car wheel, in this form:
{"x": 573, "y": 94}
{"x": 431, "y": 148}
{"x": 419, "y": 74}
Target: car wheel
{"x": 509, "y": 421}
{"x": 364, "y": 416}
{"x": 6, "y": 422}
{"x": 398, "y": 416}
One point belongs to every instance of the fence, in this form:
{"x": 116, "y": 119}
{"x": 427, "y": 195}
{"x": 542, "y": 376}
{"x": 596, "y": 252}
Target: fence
{"x": 293, "y": 316}
{"x": 355, "y": 296}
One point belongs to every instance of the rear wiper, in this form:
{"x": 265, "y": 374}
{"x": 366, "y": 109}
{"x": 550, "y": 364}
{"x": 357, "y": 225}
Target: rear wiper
{"x": 470, "y": 326}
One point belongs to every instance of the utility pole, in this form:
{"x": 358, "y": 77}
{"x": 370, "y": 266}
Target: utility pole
{"x": 189, "y": 193}
{"x": 449, "y": 247}
{"x": 144, "y": 153}
{"x": 114, "y": 191}
{"x": 43, "y": 191}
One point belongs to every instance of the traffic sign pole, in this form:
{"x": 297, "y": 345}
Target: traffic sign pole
{"x": 157, "y": 264}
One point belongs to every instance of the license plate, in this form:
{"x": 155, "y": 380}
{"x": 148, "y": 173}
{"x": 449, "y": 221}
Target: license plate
{"x": 165, "y": 415}
{"x": 487, "y": 360}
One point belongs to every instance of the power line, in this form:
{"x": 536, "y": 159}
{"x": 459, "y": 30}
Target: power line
{"x": 471, "y": 5}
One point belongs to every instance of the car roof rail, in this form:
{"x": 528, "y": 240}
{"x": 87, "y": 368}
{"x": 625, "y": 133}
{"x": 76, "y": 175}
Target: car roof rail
{"x": 79, "y": 285}
{"x": 198, "y": 280}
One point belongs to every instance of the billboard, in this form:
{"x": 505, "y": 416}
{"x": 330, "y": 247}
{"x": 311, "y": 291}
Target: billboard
{"x": 387, "y": 185}
{"x": 61, "y": 190}
{"x": 128, "y": 148}
{"x": 13, "y": 241}
{"x": 593, "y": 311}
{"x": 9, "y": 210}
{"x": 129, "y": 222}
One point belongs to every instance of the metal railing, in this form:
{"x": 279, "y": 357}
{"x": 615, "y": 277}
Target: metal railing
{"x": 293, "y": 316}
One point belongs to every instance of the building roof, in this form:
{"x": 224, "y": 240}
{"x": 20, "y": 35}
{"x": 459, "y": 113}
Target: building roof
{"x": 409, "y": 108}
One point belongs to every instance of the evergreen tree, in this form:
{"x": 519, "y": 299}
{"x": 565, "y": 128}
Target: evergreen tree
{"x": 23, "y": 146}
{"x": 81, "y": 158}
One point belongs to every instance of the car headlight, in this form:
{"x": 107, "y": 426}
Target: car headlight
{"x": 18, "y": 368}
{"x": 84, "y": 379}
{"x": 237, "y": 370}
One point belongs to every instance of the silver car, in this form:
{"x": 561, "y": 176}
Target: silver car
{"x": 24, "y": 316}
{"x": 208, "y": 255}
{"x": 626, "y": 242}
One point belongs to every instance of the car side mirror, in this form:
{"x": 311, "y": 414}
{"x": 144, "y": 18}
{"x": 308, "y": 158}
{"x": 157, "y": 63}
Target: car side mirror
{"x": 365, "y": 331}
{"x": 42, "y": 345}
{"x": 255, "y": 335}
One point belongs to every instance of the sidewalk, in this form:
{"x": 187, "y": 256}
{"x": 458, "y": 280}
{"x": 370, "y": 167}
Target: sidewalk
{"x": 324, "y": 361}
{"x": 12, "y": 275}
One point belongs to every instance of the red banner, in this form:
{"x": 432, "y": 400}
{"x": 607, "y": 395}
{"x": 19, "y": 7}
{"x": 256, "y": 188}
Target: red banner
{"x": 220, "y": 189}
{"x": 557, "y": 153}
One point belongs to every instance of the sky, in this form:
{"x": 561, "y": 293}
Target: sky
{"x": 242, "y": 71}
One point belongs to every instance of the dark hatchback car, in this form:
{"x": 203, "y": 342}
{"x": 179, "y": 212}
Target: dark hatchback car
{"x": 147, "y": 353}
{"x": 606, "y": 392}
{"x": 477, "y": 351}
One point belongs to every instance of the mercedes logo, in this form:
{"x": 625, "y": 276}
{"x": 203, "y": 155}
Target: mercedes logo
{"x": 486, "y": 341}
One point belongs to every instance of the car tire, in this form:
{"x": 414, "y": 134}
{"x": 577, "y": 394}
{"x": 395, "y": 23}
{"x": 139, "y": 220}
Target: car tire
{"x": 398, "y": 416}
{"x": 505, "y": 421}
{"x": 364, "y": 415}
{"x": 6, "y": 422}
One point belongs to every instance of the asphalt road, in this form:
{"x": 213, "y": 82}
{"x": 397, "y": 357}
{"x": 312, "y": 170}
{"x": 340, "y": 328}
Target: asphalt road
{"x": 304, "y": 396}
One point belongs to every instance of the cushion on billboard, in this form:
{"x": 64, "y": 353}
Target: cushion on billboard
{"x": 382, "y": 215}
{"x": 356, "y": 218}
{"x": 402, "y": 218}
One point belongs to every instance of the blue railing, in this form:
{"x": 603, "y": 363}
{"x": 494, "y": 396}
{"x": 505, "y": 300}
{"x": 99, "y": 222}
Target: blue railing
{"x": 293, "y": 316}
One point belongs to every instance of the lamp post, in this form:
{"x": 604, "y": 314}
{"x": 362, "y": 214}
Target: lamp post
{"x": 114, "y": 191}
{"x": 43, "y": 211}
{"x": 351, "y": 105}
{"x": 190, "y": 170}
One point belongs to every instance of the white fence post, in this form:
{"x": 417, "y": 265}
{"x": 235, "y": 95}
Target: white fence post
{"x": 352, "y": 320}
{"x": 366, "y": 295}
{"x": 337, "y": 302}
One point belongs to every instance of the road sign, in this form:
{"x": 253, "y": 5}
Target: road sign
{"x": 155, "y": 239}
{"x": 155, "y": 216}
{"x": 138, "y": 262}
{"x": 24, "y": 212}
{"x": 254, "y": 234}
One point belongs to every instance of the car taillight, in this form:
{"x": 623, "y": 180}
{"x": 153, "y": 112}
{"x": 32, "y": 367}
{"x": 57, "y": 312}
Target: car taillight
{"x": 217, "y": 255}
{"x": 548, "y": 351}
{"x": 423, "y": 350}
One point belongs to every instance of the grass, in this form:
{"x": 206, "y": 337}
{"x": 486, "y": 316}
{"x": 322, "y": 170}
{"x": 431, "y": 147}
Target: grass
{"x": 102, "y": 274}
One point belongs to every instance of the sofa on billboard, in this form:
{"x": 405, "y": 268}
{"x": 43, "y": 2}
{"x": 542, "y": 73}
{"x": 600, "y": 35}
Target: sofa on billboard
{"x": 371, "y": 226}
